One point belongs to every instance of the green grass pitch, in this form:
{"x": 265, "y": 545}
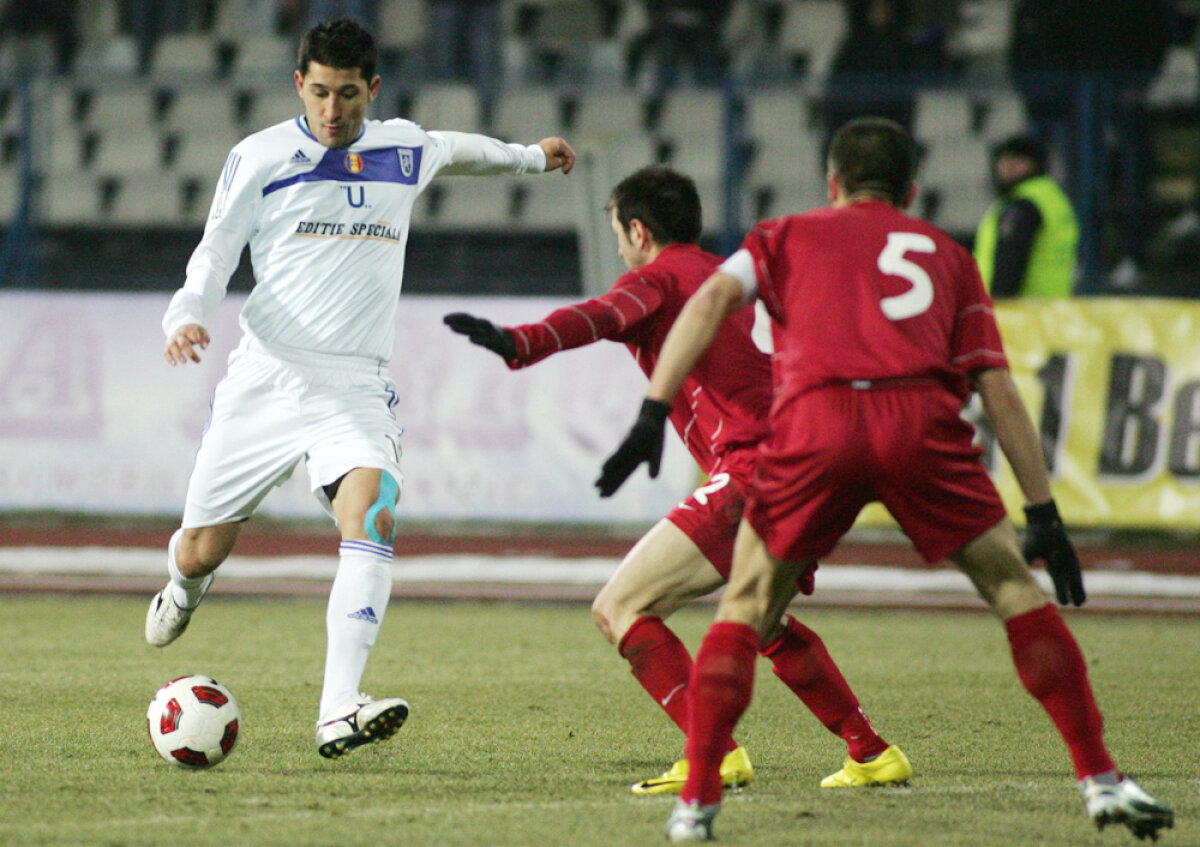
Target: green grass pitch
{"x": 527, "y": 729}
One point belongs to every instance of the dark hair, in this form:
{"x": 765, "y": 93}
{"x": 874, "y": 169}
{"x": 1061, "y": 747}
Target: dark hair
{"x": 664, "y": 200}
{"x": 339, "y": 43}
{"x": 1025, "y": 146}
{"x": 874, "y": 156}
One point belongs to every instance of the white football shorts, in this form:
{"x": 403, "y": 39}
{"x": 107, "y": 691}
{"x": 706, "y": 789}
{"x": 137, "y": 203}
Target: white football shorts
{"x": 269, "y": 413}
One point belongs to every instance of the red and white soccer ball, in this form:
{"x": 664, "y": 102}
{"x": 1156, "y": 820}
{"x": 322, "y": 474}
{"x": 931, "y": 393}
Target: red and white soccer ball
{"x": 193, "y": 721}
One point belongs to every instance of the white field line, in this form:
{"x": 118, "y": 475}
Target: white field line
{"x": 539, "y": 570}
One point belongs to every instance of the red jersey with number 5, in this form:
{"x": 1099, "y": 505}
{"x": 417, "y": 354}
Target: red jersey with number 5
{"x": 866, "y": 292}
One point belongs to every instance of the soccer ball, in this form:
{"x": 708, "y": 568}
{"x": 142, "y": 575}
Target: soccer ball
{"x": 193, "y": 721}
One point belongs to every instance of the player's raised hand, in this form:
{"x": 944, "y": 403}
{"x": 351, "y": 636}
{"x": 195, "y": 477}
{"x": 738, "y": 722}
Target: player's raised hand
{"x": 559, "y": 155}
{"x": 644, "y": 443}
{"x": 182, "y": 345}
{"x": 1046, "y": 539}
{"x": 484, "y": 333}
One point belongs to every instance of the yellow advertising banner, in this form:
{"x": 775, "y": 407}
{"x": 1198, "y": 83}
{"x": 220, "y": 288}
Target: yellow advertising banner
{"x": 1113, "y": 387}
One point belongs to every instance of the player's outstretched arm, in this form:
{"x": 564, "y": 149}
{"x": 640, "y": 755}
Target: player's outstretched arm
{"x": 1045, "y": 536}
{"x": 559, "y": 155}
{"x": 720, "y": 296}
{"x": 183, "y": 344}
{"x": 484, "y": 333}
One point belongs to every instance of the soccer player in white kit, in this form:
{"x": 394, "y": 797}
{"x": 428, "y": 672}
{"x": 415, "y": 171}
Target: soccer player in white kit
{"x": 324, "y": 201}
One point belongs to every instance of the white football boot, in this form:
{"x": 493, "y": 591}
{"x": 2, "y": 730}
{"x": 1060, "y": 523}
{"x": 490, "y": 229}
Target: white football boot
{"x": 165, "y": 621}
{"x": 1128, "y": 803}
{"x": 691, "y": 822}
{"x": 360, "y": 722}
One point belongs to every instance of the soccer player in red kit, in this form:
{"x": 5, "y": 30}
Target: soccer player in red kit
{"x": 882, "y": 328}
{"x": 721, "y": 417}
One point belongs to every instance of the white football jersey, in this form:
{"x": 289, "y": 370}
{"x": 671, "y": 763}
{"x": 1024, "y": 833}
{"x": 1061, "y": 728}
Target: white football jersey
{"x": 327, "y": 231}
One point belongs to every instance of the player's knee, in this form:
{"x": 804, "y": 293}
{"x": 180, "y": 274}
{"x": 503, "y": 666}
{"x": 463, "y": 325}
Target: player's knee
{"x": 380, "y": 519}
{"x": 601, "y": 618}
{"x": 385, "y": 525}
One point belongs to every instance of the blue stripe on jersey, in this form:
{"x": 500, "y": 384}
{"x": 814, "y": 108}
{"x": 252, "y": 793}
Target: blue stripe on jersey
{"x": 385, "y": 164}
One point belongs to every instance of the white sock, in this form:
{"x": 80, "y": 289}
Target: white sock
{"x": 187, "y": 592}
{"x": 357, "y": 603}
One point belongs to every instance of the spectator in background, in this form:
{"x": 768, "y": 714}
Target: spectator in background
{"x": 681, "y": 34}
{"x": 465, "y": 41}
{"x": 871, "y": 73}
{"x": 1026, "y": 242}
{"x": 1089, "y": 62}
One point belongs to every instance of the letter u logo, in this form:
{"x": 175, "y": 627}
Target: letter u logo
{"x": 355, "y": 202}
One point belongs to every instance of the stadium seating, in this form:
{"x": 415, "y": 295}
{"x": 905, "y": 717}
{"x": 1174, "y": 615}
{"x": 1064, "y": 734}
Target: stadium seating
{"x": 148, "y": 199}
{"x": 122, "y": 155}
{"x": 447, "y": 105}
{"x": 184, "y": 55}
{"x": 605, "y": 113}
{"x": 201, "y": 154}
{"x": 942, "y": 114}
{"x": 471, "y": 203}
{"x": 109, "y": 57}
{"x": 811, "y": 33}
{"x": 169, "y": 132}
{"x": 692, "y": 114}
{"x": 545, "y": 204}
{"x": 265, "y": 60}
{"x": 72, "y": 198}
{"x": 269, "y": 105}
{"x": 9, "y": 194}
{"x": 983, "y": 35}
{"x": 776, "y": 114}
{"x": 1003, "y": 115}
{"x": 204, "y": 109}
{"x": 528, "y": 115}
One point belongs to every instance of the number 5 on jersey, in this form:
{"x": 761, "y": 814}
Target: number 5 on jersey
{"x": 892, "y": 262}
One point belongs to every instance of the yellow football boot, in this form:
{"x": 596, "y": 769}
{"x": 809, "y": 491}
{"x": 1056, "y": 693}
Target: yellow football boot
{"x": 736, "y": 773}
{"x": 891, "y": 767}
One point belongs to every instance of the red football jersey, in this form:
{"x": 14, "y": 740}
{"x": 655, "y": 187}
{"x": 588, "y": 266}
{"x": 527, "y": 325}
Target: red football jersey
{"x": 726, "y": 398}
{"x": 866, "y": 292}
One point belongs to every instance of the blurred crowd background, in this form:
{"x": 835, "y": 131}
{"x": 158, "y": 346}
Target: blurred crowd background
{"x": 116, "y": 116}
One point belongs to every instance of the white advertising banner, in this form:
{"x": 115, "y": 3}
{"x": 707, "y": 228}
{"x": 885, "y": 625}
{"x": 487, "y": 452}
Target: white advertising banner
{"x": 93, "y": 419}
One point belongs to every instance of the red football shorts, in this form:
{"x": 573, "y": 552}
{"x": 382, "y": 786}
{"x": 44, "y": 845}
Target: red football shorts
{"x": 835, "y": 449}
{"x": 710, "y": 517}
{"x": 711, "y": 514}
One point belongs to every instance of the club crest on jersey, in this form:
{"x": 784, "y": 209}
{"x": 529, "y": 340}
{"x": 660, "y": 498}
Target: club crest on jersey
{"x": 406, "y": 161}
{"x": 353, "y": 163}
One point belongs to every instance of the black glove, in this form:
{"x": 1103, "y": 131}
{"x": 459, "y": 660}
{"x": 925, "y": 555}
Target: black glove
{"x": 644, "y": 443}
{"x": 1046, "y": 539}
{"x": 484, "y": 333}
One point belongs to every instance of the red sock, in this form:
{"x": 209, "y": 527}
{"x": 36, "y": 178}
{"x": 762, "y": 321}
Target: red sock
{"x": 660, "y": 662}
{"x": 722, "y": 682}
{"x": 805, "y": 666}
{"x": 1052, "y": 669}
